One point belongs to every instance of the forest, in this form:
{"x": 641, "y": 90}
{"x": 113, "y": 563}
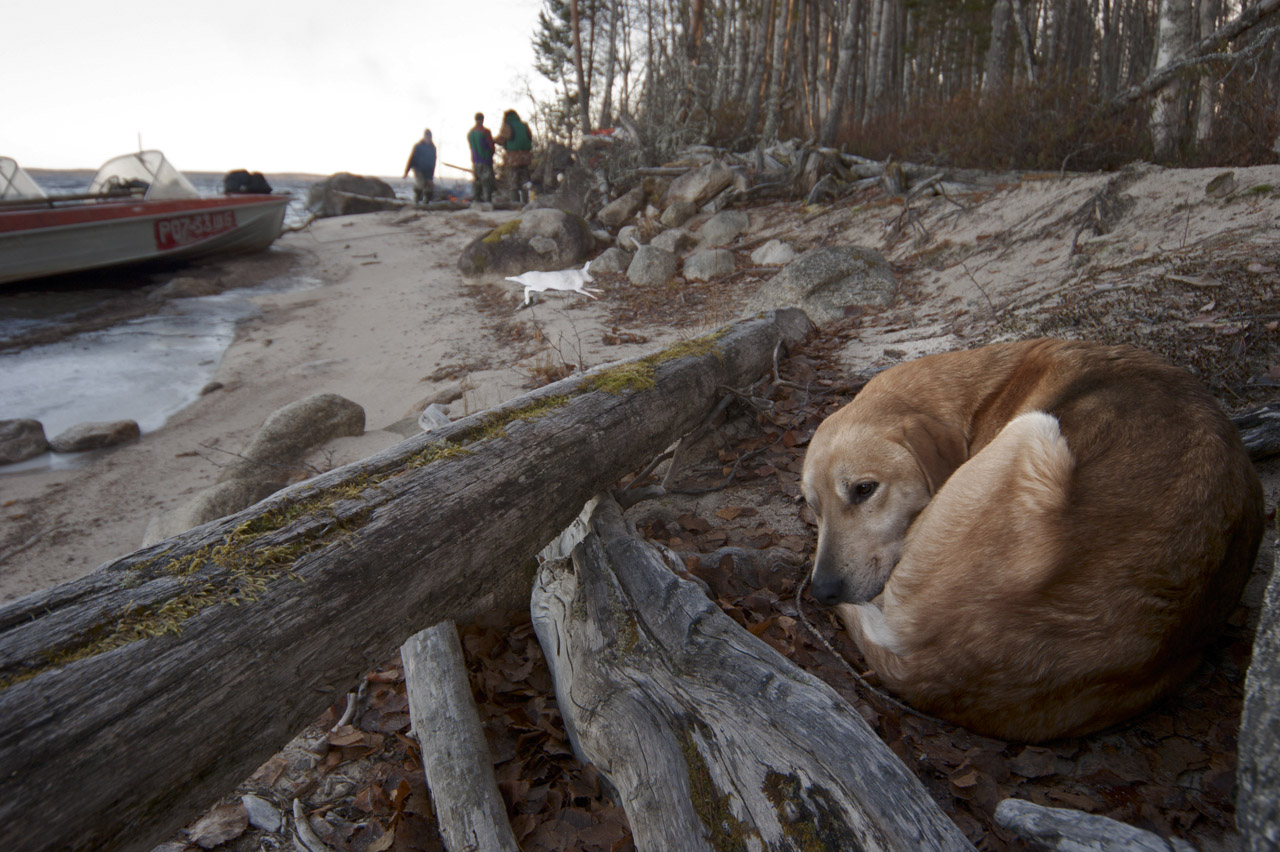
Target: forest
{"x": 1031, "y": 84}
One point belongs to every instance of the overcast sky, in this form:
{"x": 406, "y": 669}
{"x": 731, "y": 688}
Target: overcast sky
{"x": 317, "y": 86}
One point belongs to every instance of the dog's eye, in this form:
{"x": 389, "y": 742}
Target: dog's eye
{"x": 862, "y": 491}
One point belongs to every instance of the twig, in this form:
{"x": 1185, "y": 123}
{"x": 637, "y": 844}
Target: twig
{"x": 29, "y": 543}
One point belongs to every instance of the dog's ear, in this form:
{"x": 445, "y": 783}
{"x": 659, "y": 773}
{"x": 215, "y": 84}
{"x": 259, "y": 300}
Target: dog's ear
{"x": 937, "y": 448}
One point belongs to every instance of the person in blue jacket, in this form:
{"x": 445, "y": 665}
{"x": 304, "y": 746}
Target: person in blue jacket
{"x": 423, "y": 162}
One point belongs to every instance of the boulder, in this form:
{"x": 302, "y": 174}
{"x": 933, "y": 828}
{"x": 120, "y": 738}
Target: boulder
{"x": 677, "y": 213}
{"x": 723, "y": 228}
{"x": 674, "y": 240}
{"x": 773, "y": 253}
{"x": 610, "y": 260}
{"x": 344, "y": 194}
{"x": 618, "y": 212}
{"x": 268, "y": 463}
{"x": 21, "y": 439}
{"x": 293, "y": 431}
{"x": 824, "y": 281}
{"x": 95, "y": 436}
{"x": 700, "y": 185}
{"x": 577, "y": 187}
{"x": 543, "y": 239}
{"x": 630, "y": 238}
{"x": 708, "y": 264}
{"x": 652, "y": 266}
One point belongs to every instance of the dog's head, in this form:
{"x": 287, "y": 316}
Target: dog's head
{"x": 866, "y": 482}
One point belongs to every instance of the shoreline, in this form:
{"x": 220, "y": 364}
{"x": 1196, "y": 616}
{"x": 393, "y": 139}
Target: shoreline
{"x": 392, "y": 326}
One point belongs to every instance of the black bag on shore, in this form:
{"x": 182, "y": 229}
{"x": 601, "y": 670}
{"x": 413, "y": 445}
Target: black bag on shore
{"x": 241, "y": 181}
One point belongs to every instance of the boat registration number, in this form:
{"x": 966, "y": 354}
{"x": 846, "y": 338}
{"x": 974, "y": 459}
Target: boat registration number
{"x": 179, "y": 231}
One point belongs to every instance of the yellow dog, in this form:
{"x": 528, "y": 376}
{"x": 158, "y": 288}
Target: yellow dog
{"x": 1032, "y": 539}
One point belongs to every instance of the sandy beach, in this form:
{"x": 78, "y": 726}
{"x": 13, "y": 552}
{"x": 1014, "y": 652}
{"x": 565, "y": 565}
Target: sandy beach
{"x": 392, "y": 326}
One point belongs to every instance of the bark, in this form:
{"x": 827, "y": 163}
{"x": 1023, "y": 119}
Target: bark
{"x": 741, "y": 748}
{"x": 610, "y": 67}
{"x": 146, "y": 690}
{"x": 455, "y": 753}
{"x": 1208, "y": 87}
{"x": 1025, "y": 41}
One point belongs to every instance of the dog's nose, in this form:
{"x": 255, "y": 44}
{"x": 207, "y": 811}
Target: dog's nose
{"x": 826, "y": 590}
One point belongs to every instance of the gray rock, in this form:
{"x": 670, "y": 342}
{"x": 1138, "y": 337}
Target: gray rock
{"x": 268, "y": 463}
{"x": 293, "y": 431}
{"x": 773, "y": 253}
{"x": 21, "y": 439}
{"x": 674, "y": 240}
{"x": 543, "y": 239}
{"x": 1258, "y": 773}
{"x": 652, "y": 266}
{"x": 262, "y": 814}
{"x": 344, "y": 194}
{"x": 630, "y": 238}
{"x": 618, "y": 212}
{"x": 95, "y": 436}
{"x": 824, "y": 281}
{"x": 610, "y": 260}
{"x": 677, "y": 213}
{"x": 709, "y": 263}
{"x": 723, "y": 228}
{"x": 700, "y": 185}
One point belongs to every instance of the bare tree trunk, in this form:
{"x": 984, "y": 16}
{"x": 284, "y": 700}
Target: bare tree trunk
{"x": 1207, "y": 99}
{"x": 611, "y": 65}
{"x": 773, "y": 106}
{"x": 844, "y": 69}
{"x": 584, "y": 97}
{"x": 880, "y": 100}
{"x": 995, "y": 75}
{"x": 1025, "y": 40}
{"x": 1169, "y": 109}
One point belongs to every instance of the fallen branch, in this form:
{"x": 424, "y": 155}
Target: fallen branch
{"x": 455, "y": 753}
{"x": 741, "y": 749}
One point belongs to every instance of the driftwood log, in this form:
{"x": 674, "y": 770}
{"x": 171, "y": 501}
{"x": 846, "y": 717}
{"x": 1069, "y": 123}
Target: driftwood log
{"x": 455, "y": 753}
{"x": 1069, "y": 830}
{"x": 1258, "y": 773}
{"x": 712, "y": 739}
{"x": 134, "y": 697}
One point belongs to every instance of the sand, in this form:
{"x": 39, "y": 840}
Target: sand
{"x": 392, "y": 311}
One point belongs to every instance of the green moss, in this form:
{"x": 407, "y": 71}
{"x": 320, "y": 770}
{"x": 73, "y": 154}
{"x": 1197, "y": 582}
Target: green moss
{"x": 1260, "y": 189}
{"x": 642, "y": 374}
{"x": 802, "y": 813}
{"x": 727, "y": 832}
{"x": 504, "y": 230}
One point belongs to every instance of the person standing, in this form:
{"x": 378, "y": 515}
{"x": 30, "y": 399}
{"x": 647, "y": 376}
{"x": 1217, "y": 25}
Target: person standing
{"x": 517, "y": 141}
{"x": 422, "y": 159}
{"x": 481, "y": 142}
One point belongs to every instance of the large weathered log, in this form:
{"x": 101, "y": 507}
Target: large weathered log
{"x": 740, "y": 748}
{"x": 455, "y": 753}
{"x": 135, "y": 696}
{"x": 1258, "y": 802}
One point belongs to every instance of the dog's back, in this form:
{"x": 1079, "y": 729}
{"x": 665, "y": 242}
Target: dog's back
{"x": 1073, "y": 572}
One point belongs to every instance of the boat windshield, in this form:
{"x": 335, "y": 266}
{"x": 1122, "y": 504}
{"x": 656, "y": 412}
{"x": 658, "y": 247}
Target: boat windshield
{"x": 15, "y": 183}
{"x": 147, "y": 173}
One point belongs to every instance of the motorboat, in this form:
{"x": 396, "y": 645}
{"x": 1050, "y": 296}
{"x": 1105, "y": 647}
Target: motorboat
{"x": 137, "y": 209}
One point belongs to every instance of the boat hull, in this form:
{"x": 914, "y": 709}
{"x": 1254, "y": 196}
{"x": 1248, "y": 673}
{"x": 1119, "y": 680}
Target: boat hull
{"x": 38, "y": 242}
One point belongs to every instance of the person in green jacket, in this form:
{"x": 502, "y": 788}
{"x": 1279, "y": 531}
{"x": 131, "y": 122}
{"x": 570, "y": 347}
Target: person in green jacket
{"x": 517, "y": 141}
{"x": 481, "y": 142}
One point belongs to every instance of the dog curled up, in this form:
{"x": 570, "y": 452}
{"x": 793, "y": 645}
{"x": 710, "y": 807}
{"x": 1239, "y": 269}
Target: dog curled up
{"x": 1033, "y": 539}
